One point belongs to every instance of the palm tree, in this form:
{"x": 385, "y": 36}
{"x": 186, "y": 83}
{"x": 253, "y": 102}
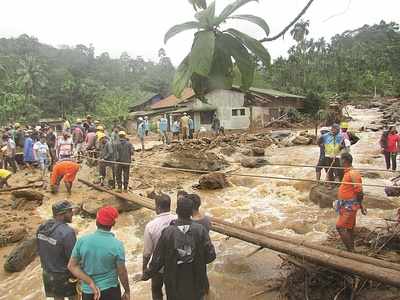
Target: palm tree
{"x": 300, "y": 30}
{"x": 210, "y": 63}
{"x": 31, "y": 76}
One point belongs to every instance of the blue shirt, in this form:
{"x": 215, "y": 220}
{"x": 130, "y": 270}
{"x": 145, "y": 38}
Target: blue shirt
{"x": 141, "y": 130}
{"x": 163, "y": 124}
{"x": 332, "y": 144}
{"x": 191, "y": 125}
{"x": 28, "y": 150}
{"x": 98, "y": 255}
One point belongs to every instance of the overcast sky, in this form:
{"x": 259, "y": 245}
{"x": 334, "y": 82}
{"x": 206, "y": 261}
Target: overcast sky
{"x": 138, "y": 26}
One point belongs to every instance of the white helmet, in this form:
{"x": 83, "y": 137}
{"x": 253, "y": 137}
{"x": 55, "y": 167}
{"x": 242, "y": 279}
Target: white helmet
{"x": 140, "y": 119}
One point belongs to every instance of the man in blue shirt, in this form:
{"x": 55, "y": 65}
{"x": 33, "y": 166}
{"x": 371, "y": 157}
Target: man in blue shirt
{"x": 164, "y": 129}
{"x": 98, "y": 259}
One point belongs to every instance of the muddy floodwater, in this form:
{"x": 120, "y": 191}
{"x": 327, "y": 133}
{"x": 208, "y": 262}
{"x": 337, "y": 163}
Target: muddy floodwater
{"x": 281, "y": 207}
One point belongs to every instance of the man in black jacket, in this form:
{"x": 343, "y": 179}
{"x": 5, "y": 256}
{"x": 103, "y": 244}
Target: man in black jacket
{"x": 184, "y": 250}
{"x": 106, "y": 156}
{"x": 55, "y": 243}
{"x": 124, "y": 158}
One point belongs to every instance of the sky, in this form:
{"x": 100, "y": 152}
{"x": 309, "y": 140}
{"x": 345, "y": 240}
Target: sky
{"x": 138, "y": 26}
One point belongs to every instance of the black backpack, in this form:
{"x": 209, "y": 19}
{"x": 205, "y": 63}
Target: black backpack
{"x": 185, "y": 245}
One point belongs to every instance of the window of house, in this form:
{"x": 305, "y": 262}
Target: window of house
{"x": 238, "y": 112}
{"x": 206, "y": 117}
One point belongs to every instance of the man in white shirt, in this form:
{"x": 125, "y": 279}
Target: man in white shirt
{"x": 152, "y": 233}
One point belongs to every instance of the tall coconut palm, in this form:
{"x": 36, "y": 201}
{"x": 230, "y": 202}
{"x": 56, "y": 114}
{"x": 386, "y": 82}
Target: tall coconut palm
{"x": 214, "y": 52}
{"x": 31, "y": 76}
{"x": 300, "y": 30}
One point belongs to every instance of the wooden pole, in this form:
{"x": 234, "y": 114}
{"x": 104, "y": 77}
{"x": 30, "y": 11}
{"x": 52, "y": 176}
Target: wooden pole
{"x": 330, "y": 250}
{"x": 345, "y": 262}
{"x": 18, "y": 188}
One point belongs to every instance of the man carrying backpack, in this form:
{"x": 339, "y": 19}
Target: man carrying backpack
{"x": 184, "y": 250}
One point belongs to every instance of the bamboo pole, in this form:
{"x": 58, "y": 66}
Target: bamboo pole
{"x": 348, "y": 262}
{"x": 18, "y": 188}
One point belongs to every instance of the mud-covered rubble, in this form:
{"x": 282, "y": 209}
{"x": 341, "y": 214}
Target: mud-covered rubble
{"x": 390, "y": 109}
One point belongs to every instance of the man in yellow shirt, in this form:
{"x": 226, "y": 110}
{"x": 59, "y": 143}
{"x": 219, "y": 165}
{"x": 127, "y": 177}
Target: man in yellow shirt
{"x": 4, "y": 176}
{"x": 185, "y": 126}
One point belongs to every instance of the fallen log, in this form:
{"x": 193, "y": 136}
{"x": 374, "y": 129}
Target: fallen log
{"x": 333, "y": 251}
{"x": 350, "y": 264}
{"x": 17, "y": 188}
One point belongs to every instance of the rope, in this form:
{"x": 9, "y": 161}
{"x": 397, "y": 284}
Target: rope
{"x": 235, "y": 174}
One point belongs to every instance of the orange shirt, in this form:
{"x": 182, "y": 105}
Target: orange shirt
{"x": 348, "y": 191}
{"x": 66, "y": 169}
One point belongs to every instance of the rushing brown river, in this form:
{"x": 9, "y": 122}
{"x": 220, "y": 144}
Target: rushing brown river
{"x": 276, "y": 206}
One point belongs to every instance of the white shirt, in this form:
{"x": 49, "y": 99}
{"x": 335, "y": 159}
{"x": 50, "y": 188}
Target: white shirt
{"x": 153, "y": 230}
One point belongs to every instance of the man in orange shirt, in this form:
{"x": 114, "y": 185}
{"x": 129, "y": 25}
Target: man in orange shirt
{"x": 63, "y": 170}
{"x": 349, "y": 201}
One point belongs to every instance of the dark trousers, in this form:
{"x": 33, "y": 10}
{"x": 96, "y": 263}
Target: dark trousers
{"x": 122, "y": 171}
{"x": 390, "y": 159}
{"x": 331, "y": 164}
{"x": 156, "y": 286}
{"x": 108, "y": 294}
{"x": 10, "y": 161}
{"x": 103, "y": 171}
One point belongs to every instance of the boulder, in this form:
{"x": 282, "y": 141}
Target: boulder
{"x": 252, "y": 162}
{"x": 228, "y": 150}
{"x": 264, "y": 143}
{"x": 280, "y": 134}
{"x": 324, "y": 197}
{"x": 195, "y": 160}
{"x": 257, "y": 151}
{"x": 91, "y": 206}
{"x": 12, "y": 235}
{"x": 26, "y": 198}
{"x": 30, "y": 195}
{"x": 302, "y": 140}
{"x": 213, "y": 181}
{"x": 21, "y": 256}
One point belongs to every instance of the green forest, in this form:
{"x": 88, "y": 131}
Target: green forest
{"x": 41, "y": 81}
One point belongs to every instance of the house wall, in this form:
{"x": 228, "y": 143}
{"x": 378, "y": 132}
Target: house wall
{"x": 226, "y": 101}
{"x": 260, "y": 116}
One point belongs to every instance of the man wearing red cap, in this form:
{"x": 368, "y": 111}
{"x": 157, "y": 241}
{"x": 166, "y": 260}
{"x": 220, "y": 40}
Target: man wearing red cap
{"x": 98, "y": 259}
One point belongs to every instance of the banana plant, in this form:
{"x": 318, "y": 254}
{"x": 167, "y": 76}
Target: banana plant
{"x": 216, "y": 52}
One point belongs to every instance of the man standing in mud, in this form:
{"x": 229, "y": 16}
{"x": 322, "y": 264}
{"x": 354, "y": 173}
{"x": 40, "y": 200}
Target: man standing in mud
{"x": 55, "y": 240}
{"x": 63, "y": 170}
{"x": 350, "y": 196}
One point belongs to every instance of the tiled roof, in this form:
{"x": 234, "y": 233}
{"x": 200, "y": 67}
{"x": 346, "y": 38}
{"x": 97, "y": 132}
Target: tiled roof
{"x": 172, "y": 100}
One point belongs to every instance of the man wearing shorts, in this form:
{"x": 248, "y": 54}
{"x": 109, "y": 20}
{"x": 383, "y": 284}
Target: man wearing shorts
{"x": 63, "y": 170}
{"x": 55, "y": 241}
{"x": 350, "y": 196}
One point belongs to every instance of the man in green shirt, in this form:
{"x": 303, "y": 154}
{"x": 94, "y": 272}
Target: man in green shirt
{"x": 98, "y": 259}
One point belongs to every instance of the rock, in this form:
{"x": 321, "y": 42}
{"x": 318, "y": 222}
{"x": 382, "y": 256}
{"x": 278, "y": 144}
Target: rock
{"x": 12, "y": 235}
{"x": 21, "y": 256}
{"x": 370, "y": 174}
{"x": 91, "y": 206}
{"x": 195, "y": 160}
{"x": 251, "y": 162}
{"x": 246, "y": 152}
{"x": 280, "y": 134}
{"x": 30, "y": 195}
{"x": 257, "y": 151}
{"x": 264, "y": 143}
{"x": 324, "y": 197}
{"x": 228, "y": 150}
{"x": 213, "y": 181}
{"x": 301, "y": 140}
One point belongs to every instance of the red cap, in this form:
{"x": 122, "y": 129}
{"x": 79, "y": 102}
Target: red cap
{"x": 106, "y": 215}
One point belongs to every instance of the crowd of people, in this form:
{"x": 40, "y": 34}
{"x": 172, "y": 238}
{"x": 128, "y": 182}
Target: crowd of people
{"x": 42, "y": 147}
{"x": 177, "y": 249}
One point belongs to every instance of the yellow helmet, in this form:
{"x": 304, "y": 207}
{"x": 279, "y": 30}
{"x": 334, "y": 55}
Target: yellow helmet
{"x": 17, "y": 125}
{"x": 97, "y": 122}
{"x": 100, "y": 128}
{"x": 122, "y": 133}
{"x": 78, "y": 121}
{"x": 100, "y": 135}
{"x": 344, "y": 125}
